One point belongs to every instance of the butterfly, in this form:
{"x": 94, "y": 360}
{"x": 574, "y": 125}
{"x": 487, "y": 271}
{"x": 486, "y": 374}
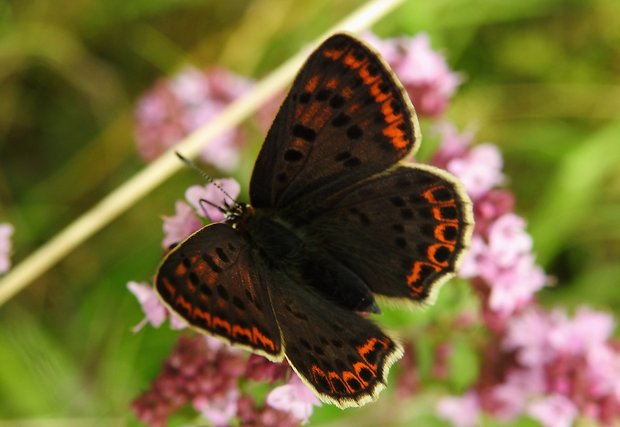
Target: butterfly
{"x": 337, "y": 220}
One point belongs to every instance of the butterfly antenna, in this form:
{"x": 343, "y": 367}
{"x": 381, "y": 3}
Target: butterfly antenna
{"x": 207, "y": 177}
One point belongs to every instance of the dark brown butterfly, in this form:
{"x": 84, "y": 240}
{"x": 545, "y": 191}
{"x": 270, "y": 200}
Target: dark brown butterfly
{"x": 335, "y": 220}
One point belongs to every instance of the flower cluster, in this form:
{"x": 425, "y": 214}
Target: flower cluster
{"x": 199, "y": 370}
{"x": 6, "y": 230}
{"x": 548, "y": 366}
{"x": 175, "y": 107}
{"x": 424, "y": 72}
{"x": 499, "y": 262}
{"x": 205, "y": 373}
{"x": 536, "y": 363}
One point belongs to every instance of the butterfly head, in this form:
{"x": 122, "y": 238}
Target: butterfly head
{"x": 232, "y": 209}
{"x": 235, "y": 211}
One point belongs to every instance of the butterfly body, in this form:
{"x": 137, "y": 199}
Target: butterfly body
{"x": 335, "y": 220}
{"x": 273, "y": 237}
{"x": 286, "y": 248}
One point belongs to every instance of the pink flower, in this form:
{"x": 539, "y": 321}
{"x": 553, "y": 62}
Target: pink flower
{"x": 186, "y": 220}
{"x": 6, "y": 230}
{"x": 454, "y": 144}
{"x": 175, "y": 107}
{"x": 603, "y": 372}
{"x": 509, "y": 398}
{"x": 199, "y": 372}
{"x": 588, "y": 329}
{"x": 514, "y": 287}
{"x": 423, "y": 72}
{"x": 152, "y": 307}
{"x": 527, "y": 335}
{"x": 504, "y": 262}
{"x": 198, "y": 196}
{"x": 252, "y": 415}
{"x": 501, "y": 256}
{"x": 553, "y": 411}
{"x": 462, "y": 411}
{"x": 508, "y": 240}
{"x": 294, "y": 398}
{"x": 263, "y": 370}
{"x": 491, "y": 206}
{"x": 478, "y": 167}
{"x": 479, "y": 170}
{"x": 177, "y": 227}
{"x": 547, "y": 365}
{"x": 218, "y": 410}
{"x": 526, "y": 364}
{"x": 475, "y": 259}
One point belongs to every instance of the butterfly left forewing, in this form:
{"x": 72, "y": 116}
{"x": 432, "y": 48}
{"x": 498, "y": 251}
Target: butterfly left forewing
{"x": 346, "y": 117}
{"x": 214, "y": 282}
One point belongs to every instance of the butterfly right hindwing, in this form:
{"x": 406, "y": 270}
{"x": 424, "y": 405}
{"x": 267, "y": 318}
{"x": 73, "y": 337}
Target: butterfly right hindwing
{"x": 401, "y": 232}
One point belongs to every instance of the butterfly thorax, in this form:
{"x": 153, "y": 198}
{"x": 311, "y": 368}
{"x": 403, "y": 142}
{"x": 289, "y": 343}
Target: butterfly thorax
{"x": 286, "y": 248}
{"x": 267, "y": 234}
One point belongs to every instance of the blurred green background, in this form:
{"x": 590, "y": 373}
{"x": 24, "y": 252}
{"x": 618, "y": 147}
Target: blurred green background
{"x": 542, "y": 82}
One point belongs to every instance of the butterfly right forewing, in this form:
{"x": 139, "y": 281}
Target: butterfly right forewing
{"x": 215, "y": 282}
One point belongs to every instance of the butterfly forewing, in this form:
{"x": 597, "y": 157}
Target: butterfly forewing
{"x": 346, "y": 117}
{"x": 212, "y": 281}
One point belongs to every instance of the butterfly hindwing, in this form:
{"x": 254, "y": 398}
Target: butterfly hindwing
{"x": 343, "y": 357}
{"x": 345, "y": 118}
{"x": 401, "y": 231}
{"x": 212, "y": 281}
